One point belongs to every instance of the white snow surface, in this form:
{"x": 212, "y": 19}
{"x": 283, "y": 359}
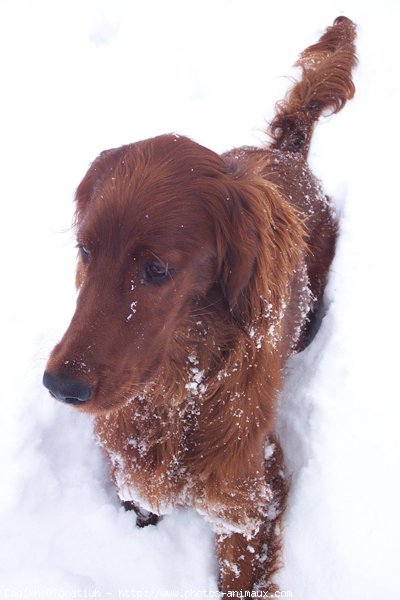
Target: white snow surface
{"x": 78, "y": 77}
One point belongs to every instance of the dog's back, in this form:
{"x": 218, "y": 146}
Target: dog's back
{"x": 324, "y": 88}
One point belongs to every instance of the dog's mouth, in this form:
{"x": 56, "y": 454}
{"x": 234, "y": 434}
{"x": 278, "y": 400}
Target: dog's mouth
{"x": 98, "y": 387}
{"x": 67, "y": 400}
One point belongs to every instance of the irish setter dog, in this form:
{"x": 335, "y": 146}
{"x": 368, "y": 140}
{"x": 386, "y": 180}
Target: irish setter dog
{"x": 198, "y": 275}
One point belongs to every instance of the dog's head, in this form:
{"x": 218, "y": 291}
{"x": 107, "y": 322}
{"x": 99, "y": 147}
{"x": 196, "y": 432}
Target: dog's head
{"x": 163, "y": 228}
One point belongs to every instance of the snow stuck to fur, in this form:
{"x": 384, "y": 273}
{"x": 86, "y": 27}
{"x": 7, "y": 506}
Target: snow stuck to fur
{"x": 71, "y": 88}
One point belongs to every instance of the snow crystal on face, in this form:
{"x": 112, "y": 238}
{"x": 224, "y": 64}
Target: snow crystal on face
{"x": 133, "y": 310}
{"x": 195, "y": 385}
{"x": 192, "y": 358}
{"x": 78, "y": 365}
{"x": 223, "y": 373}
{"x": 258, "y": 338}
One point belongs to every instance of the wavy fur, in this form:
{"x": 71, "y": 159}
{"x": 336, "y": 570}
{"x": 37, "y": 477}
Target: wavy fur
{"x": 198, "y": 276}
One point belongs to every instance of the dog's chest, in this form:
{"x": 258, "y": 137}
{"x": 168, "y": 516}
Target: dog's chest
{"x": 148, "y": 456}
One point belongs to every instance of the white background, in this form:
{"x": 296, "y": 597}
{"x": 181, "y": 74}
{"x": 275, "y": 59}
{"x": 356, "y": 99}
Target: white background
{"x": 77, "y": 77}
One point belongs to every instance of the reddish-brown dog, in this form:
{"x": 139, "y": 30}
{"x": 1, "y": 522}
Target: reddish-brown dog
{"x": 198, "y": 276}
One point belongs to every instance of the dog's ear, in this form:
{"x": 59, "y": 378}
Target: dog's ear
{"x": 239, "y": 246}
{"x": 258, "y": 249}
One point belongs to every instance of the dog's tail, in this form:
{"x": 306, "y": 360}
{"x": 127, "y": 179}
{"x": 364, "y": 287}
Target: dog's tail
{"x": 325, "y": 85}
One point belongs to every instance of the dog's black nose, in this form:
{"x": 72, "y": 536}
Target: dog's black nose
{"x": 69, "y": 391}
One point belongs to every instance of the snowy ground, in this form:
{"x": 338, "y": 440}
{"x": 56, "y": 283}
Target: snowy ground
{"x": 81, "y": 76}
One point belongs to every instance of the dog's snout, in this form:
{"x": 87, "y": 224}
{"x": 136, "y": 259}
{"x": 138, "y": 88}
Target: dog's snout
{"x": 67, "y": 390}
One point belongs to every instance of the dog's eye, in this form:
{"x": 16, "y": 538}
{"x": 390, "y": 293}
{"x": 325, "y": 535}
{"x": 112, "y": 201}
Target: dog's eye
{"x": 85, "y": 253}
{"x": 155, "y": 272}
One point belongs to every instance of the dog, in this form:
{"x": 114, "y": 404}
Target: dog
{"x": 198, "y": 275}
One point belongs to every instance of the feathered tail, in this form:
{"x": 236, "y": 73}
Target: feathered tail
{"x": 325, "y": 84}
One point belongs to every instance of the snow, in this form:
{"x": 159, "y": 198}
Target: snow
{"x": 133, "y": 309}
{"x": 81, "y": 76}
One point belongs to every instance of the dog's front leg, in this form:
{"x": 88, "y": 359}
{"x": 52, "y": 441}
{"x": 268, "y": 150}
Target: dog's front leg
{"x": 242, "y": 561}
{"x": 248, "y": 562}
{"x": 143, "y": 517}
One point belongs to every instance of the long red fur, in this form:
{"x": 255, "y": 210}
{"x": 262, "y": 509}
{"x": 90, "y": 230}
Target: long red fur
{"x": 184, "y": 373}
